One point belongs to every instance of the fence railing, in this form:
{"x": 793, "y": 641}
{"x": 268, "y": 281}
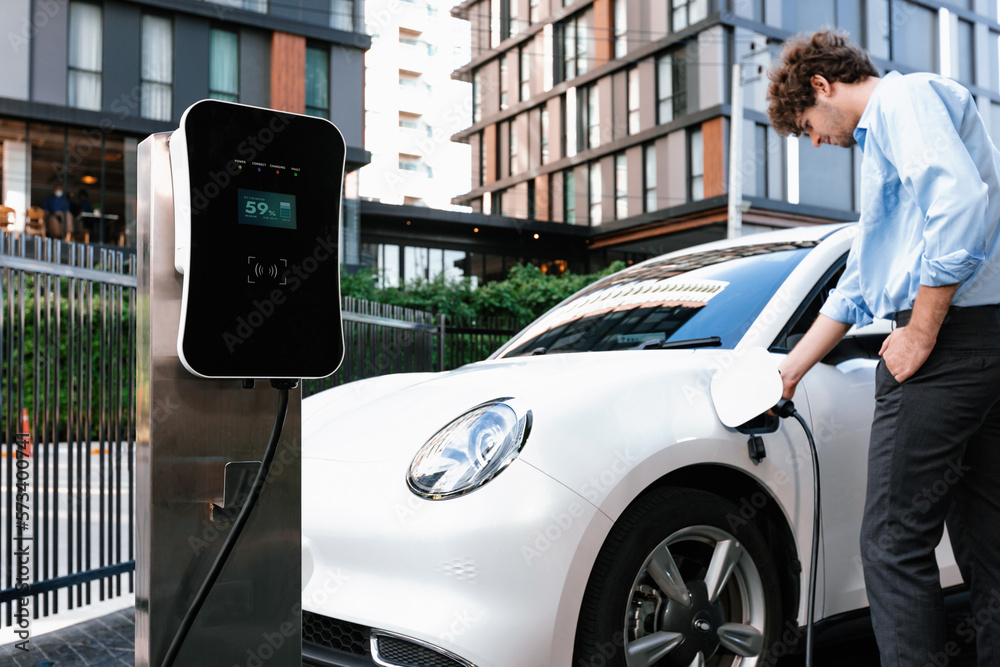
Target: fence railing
{"x": 467, "y": 341}
{"x": 67, "y": 361}
{"x": 381, "y": 339}
{"x": 67, "y": 378}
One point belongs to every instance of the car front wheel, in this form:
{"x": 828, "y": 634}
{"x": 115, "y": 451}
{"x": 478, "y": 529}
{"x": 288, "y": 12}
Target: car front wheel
{"x": 682, "y": 580}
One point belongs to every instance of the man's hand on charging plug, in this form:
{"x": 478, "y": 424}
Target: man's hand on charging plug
{"x": 823, "y": 336}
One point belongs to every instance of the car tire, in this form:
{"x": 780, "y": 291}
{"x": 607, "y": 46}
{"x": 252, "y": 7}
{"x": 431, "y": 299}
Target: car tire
{"x": 682, "y": 579}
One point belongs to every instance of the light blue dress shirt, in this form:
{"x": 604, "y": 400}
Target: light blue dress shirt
{"x": 930, "y": 201}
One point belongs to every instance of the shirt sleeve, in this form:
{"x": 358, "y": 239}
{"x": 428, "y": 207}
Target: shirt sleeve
{"x": 935, "y": 166}
{"x": 845, "y": 303}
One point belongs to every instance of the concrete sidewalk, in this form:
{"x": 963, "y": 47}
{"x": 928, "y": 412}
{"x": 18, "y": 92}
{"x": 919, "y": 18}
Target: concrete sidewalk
{"x": 106, "y": 641}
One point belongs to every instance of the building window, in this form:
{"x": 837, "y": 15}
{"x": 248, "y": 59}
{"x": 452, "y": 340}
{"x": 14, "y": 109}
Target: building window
{"x": 342, "y": 15}
{"x": 569, "y": 197}
{"x": 409, "y": 162}
{"x": 595, "y": 193}
{"x": 534, "y": 11}
{"x": 503, "y": 83}
{"x": 905, "y": 32}
{"x": 589, "y": 110}
{"x": 157, "y": 67}
{"x": 512, "y": 29}
{"x": 621, "y": 29}
{"x": 224, "y": 66}
{"x": 632, "y": 82}
{"x": 482, "y": 159}
{"x": 531, "y": 199}
{"x": 671, "y": 86}
{"x": 994, "y": 62}
{"x": 621, "y": 187}
{"x": 687, "y": 12}
{"x": 571, "y": 52}
{"x": 477, "y": 97}
{"x": 649, "y": 178}
{"x": 564, "y": 142}
{"x": 524, "y": 70}
{"x": 545, "y": 134}
{"x": 318, "y": 82}
{"x": 964, "y": 44}
{"x": 511, "y": 146}
{"x": 696, "y": 181}
{"x": 409, "y": 121}
{"x": 85, "y": 59}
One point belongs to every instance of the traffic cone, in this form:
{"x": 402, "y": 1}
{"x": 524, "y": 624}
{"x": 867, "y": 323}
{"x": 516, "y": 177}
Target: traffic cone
{"x": 26, "y": 430}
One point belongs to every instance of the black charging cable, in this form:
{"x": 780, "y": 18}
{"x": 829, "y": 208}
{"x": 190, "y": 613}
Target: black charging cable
{"x": 785, "y": 408}
{"x": 234, "y": 533}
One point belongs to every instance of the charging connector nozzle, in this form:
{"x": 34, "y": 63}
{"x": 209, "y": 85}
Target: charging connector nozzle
{"x": 785, "y": 408}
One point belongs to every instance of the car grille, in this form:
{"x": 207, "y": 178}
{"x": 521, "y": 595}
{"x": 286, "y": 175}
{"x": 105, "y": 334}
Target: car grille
{"x": 335, "y": 634}
{"x": 402, "y": 653}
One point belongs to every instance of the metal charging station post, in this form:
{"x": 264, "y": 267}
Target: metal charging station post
{"x": 188, "y": 429}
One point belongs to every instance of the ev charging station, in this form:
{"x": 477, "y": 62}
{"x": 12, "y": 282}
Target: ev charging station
{"x": 239, "y": 295}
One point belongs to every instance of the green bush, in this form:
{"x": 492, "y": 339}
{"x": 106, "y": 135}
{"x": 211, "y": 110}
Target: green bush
{"x": 525, "y": 294}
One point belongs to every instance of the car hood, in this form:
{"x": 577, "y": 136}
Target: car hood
{"x": 392, "y": 416}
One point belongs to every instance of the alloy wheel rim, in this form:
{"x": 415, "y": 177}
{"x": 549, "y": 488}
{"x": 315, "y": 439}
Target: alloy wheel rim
{"x": 697, "y": 600}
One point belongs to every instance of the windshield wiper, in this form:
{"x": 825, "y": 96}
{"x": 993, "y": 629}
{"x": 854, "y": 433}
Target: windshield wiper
{"x": 711, "y": 341}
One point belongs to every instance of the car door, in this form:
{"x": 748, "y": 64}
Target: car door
{"x": 840, "y": 392}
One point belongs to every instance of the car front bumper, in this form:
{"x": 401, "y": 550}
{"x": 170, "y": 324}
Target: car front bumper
{"x": 494, "y": 577}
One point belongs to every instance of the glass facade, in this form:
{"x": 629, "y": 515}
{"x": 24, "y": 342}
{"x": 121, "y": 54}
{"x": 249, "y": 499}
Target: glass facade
{"x": 95, "y": 170}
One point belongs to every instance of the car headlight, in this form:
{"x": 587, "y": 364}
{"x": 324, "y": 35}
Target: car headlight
{"x": 471, "y": 450}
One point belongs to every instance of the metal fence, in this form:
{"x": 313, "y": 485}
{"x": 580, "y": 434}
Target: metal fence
{"x": 67, "y": 342}
{"x": 381, "y": 339}
{"x": 67, "y": 379}
{"x": 467, "y": 341}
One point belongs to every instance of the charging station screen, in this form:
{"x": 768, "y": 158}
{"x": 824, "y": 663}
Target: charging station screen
{"x": 266, "y": 209}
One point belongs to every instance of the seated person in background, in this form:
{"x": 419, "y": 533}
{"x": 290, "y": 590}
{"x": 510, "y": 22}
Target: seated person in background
{"x": 58, "y": 217}
{"x": 79, "y": 202}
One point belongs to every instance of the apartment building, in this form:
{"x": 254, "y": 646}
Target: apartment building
{"x": 614, "y": 116}
{"x": 83, "y": 82}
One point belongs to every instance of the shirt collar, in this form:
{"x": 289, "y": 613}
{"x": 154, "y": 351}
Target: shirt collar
{"x": 861, "y": 131}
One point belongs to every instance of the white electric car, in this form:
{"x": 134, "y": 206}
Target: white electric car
{"x": 575, "y": 500}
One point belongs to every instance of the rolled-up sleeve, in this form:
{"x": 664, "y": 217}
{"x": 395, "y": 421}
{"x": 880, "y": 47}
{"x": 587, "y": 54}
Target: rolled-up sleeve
{"x": 936, "y": 168}
{"x": 845, "y": 303}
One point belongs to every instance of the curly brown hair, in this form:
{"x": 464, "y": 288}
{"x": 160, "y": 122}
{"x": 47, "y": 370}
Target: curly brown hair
{"x": 831, "y": 54}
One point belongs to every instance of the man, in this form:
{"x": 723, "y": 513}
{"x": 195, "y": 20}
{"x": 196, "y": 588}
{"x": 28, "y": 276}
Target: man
{"x": 58, "y": 216}
{"x": 927, "y": 255}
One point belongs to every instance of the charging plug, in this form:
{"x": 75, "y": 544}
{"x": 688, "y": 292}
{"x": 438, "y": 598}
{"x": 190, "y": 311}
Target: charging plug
{"x": 785, "y": 408}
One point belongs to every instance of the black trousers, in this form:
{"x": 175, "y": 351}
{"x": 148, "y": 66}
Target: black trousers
{"x": 934, "y": 457}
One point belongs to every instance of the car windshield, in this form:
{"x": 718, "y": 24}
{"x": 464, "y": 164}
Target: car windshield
{"x": 702, "y": 295}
